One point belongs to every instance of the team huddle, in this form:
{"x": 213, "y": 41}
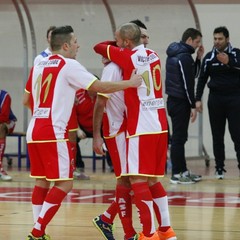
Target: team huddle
{"x": 129, "y": 116}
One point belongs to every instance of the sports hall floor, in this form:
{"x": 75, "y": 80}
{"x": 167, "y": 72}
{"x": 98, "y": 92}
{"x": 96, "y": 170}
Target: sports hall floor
{"x": 208, "y": 210}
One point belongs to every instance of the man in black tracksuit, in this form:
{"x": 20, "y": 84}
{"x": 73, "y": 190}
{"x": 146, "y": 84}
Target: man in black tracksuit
{"x": 180, "y": 81}
{"x": 222, "y": 65}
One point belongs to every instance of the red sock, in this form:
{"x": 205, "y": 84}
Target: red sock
{"x": 124, "y": 200}
{"x": 144, "y": 203}
{"x": 38, "y": 196}
{"x": 160, "y": 204}
{"x": 2, "y": 149}
{"x": 50, "y": 207}
{"x": 109, "y": 215}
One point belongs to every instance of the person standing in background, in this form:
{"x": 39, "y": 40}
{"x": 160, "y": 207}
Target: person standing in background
{"x": 222, "y": 67}
{"x": 48, "y": 50}
{"x": 181, "y": 71}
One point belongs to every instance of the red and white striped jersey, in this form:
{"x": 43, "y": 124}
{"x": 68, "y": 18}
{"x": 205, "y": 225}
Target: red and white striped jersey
{"x": 84, "y": 109}
{"x": 114, "y": 112}
{"x": 146, "y": 112}
{"x": 52, "y": 85}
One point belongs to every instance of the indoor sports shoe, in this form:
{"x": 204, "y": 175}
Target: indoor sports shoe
{"x": 44, "y": 237}
{"x": 132, "y": 238}
{"x": 220, "y": 173}
{"x": 193, "y": 177}
{"x": 105, "y": 229}
{"x": 4, "y": 176}
{"x": 180, "y": 179}
{"x": 141, "y": 236}
{"x": 168, "y": 235}
{"x": 79, "y": 174}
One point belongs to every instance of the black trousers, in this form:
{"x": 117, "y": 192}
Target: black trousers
{"x": 224, "y": 109}
{"x": 79, "y": 160}
{"x": 179, "y": 111}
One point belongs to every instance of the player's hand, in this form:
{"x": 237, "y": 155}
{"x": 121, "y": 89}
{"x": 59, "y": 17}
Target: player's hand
{"x": 81, "y": 134}
{"x": 199, "y": 107}
{"x": 223, "y": 58}
{"x": 136, "y": 79}
{"x": 193, "y": 115}
{"x": 200, "y": 52}
{"x": 105, "y": 61}
{"x": 98, "y": 146}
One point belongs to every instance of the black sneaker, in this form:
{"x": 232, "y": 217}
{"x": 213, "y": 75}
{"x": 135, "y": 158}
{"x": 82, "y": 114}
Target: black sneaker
{"x": 105, "y": 229}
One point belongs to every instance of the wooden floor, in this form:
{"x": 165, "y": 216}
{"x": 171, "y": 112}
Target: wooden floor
{"x": 208, "y": 210}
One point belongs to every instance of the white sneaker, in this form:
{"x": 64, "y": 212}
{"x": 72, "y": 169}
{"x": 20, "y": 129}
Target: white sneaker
{"x": 80, "y": 175}
{"x": 4, "y": 176}
{"x": 220, "y": 173}
{"x": 181, "y": 179}
{"x": 76, "y": 173}
{"x": 193, "y": 177}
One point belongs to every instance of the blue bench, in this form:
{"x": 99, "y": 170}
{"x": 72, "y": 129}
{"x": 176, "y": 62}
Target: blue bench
{"x": 94, "y": 158}
{"x": 20, "y": 152}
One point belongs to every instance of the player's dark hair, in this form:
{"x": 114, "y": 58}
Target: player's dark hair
{"x": 50, "y": 29}
{"x": 60, "y": 35}
{"x": 191, "y": 33}
{"x": 139, "y": 23}
{"x": 222, "y": 30}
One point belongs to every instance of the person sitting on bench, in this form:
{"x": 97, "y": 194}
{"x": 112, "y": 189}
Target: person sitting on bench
{"x": 7, "y": 124}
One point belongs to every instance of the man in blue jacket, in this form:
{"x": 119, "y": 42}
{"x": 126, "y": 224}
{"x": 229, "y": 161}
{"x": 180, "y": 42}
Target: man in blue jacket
{"x": 222, "y": 66}
{"x": 181, "y": 71}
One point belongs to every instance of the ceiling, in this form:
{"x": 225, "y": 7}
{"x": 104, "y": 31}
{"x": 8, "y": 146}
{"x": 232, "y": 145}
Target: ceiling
{"x": 124, "y": 1}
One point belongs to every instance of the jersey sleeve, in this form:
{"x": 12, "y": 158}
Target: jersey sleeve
{"x": 78, "y": 76}
{"x": 120, "y": 56}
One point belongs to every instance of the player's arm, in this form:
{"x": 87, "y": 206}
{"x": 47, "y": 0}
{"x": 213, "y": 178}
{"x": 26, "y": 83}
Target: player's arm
{"x": 26, "y": 99}
{"x": 102, "y": 48}
{"x": 109, "y": 50}
{"x": 97, "y": 124}
{"x": 110, "y": 87}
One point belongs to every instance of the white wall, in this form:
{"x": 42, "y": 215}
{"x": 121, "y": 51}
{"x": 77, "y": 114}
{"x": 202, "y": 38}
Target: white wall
{"x": 165, "y": 23}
